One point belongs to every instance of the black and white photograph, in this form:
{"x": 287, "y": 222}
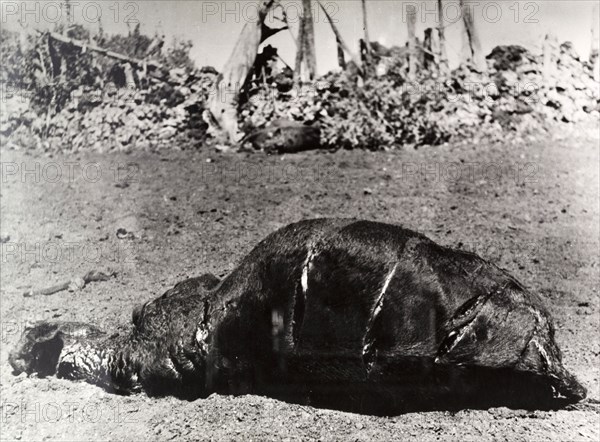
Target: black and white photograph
{"x": 299, "y": 220}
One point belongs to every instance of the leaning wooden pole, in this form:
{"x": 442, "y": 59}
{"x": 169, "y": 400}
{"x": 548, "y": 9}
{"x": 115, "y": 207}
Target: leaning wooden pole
{"x": 340, "y": 54}
{"x": 443, "y": 56}
{"x": 476, "y": 55}
{"x": 340, "y": 40}
{"x": 137, "y": 63}
{"x": 223, "y": 103}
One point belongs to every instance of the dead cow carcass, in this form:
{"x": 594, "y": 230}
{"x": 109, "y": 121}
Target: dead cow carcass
{"x": 348, "y": 314}
{"x": 284, "y": 136}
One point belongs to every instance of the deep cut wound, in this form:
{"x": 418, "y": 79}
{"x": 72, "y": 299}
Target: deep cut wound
{"x": 321, "y": 309}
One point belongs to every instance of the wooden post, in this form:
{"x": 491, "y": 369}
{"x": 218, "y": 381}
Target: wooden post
{"x": 223, "y": 102}
{"x": 299, "y": 53}
{"x": 594, "y": 59}
{"x": 363, "y": 53}
{"x": 41, "y": 74}
{"x": 129, "y": 77}
{"x": 476, "y": 55}
{"x": 550, "y": 48}
{"x": 366, "y": 30}
{"x": 100, "y": 34}
{"x": 309, "y": 40}
{"x": 411, "y": 17}
{"x": 443, "y": 57}
{"x": 430, "y": 49}
{"x": 65, "y": 18}
{"x": 65, "y": 22}
{"x": 55, "y": 58}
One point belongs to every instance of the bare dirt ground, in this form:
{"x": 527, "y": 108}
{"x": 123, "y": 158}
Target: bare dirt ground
{"x": 532, "y": 207}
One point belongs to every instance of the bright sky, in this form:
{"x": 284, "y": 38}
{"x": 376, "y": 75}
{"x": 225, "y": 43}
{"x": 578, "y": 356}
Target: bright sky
{"x": 214, "y": 26}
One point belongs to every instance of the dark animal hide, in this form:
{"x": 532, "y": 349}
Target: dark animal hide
{"x": 339, "y": 313}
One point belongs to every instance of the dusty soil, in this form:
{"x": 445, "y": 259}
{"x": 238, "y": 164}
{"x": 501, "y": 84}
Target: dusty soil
{"x": 533, "y": 207}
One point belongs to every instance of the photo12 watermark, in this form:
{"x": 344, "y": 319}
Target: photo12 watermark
{"x": 52, "y": 252}
{"x": 65, "y": 411}
{"x": 289, "y": 12}
{"x": 451, "y": 172}
{"x": 107, "y": 93}
{"x": 52, "y": 172}
{"x": 248, "y": 172}
{"x": 69, "y": 12}
{"x": 454, "y": 11}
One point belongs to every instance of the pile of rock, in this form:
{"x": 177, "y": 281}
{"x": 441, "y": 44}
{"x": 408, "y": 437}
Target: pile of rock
{"x": 563, "y": 89}
{"x": 518, "y": 94}
{"x": 119, "y": 121}
{"x": 167, "y": 114}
